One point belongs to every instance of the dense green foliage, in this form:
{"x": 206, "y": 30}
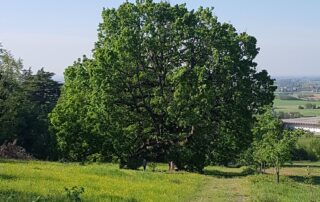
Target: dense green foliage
{"x": 25, "y": 102}
{"x": 165, "y": 83}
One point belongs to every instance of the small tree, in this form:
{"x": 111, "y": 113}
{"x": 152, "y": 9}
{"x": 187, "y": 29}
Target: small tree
{"x": 279, "y": 150}
{"x": 273, "y": 144}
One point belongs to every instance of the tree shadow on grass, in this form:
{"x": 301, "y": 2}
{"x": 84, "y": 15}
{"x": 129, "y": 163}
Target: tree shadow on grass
{"x": 7, "y": 177}
{"x": 302, "y": 166}
{"x": 315, "y": 180}
{"x": 3, "y": 160}
{"x": 226, "y": 174}
{"x": 14, "y": 196}
{"x": 118, "y": 198}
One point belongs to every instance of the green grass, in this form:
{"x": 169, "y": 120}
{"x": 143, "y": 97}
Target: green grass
{"x": 292, "y": 106}
{"x": 25, "y": 181}
{"x": 293, "y": 186}
{"x": 309, "y": 148}
{"x": 224, "y": 185}
{"x": 307, "y": 140}
{"x": 264, "y": 189}
{"x": 29, "y": 180}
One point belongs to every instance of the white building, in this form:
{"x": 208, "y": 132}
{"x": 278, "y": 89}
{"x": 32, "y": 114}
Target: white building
{"x": 311, "y": 124}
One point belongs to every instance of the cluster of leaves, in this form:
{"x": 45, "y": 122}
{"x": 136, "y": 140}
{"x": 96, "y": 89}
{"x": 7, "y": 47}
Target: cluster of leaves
{"x": 165, "y": 83}
{"x": 25, "y": 102}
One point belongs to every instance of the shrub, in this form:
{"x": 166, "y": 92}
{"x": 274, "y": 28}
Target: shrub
{"x": 74, "y": 193}
{"x": 153, "y": 166}
{"x": 96, "y": 157}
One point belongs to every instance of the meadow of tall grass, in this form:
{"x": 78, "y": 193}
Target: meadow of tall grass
{"x": 28, "y": 181}
{"x": 46, "y": 181}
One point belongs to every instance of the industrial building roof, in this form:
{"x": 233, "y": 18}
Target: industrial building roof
{"x": 306, "y": 120}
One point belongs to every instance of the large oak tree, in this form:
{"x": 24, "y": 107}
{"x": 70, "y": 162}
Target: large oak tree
{"x": 165, "y": 83}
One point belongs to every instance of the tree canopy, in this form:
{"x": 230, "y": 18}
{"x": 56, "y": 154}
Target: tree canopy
{"x": 164, "y": 83}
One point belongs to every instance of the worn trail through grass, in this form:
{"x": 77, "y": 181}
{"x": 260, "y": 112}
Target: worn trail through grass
{"x": 224, "y": 189}
{"x": 225, "y": 184}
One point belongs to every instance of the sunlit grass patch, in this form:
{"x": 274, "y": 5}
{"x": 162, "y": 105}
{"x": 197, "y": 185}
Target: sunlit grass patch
{"x": 25, "y": 181}
{"x": 264, "y": 188}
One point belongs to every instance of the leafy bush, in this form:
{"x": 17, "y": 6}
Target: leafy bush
{"x": 153, "y": 166}
{"x": 74, "y": 193}
{"x": 96, "y": 157}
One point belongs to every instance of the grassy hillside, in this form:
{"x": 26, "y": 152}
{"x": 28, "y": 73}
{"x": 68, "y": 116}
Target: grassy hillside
{"x": 292, "y": 106}
{"x": 44, "y": 181}
{"x": 25, "y": 181}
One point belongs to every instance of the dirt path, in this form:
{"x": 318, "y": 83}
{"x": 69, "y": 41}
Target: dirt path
{"x": 224, "y": 189}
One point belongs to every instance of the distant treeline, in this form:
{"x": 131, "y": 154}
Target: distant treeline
{"x": 26, "y": 99}
{"x": 286, "y": 97}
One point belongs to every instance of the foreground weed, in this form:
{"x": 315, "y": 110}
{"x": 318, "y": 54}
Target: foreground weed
{"x": 74, "y": 193}
{"x": 153, "y": 166}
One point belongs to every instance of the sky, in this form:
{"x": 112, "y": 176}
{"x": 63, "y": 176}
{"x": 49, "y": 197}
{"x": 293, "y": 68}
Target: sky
{"x": 54, "y": 33}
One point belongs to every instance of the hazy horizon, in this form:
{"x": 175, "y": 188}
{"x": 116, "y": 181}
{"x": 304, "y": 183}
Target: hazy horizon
{"x": 53, "y": 35}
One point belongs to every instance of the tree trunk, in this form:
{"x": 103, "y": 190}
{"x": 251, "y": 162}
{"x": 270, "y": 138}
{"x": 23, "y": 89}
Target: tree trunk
{"x": 278, "y": 175}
